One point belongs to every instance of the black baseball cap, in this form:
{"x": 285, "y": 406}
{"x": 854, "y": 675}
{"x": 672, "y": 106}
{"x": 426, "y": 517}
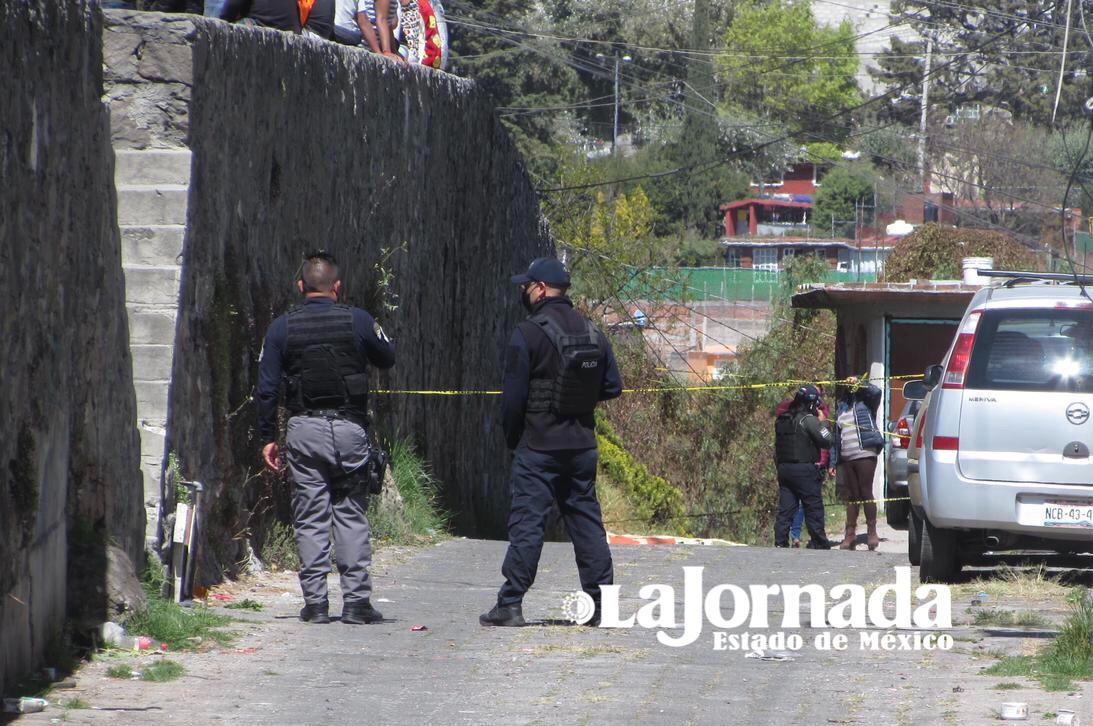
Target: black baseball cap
{"x": 544, "y": 269}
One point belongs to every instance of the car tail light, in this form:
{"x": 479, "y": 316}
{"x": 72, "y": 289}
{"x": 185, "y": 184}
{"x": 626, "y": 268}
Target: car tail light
{"x": 946, "y": 443}
{"x": 962, "y": 353}
{"x": 903, "y": 434}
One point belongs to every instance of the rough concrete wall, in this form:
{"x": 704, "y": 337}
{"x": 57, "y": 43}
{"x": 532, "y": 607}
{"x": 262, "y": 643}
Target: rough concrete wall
{"x": 300, "y": 144}
{"x": 149, "y": 76}
{"x": 69, "y": 477}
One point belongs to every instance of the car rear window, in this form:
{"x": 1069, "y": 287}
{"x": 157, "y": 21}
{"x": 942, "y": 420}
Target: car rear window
{"x": 1033, "y": 350}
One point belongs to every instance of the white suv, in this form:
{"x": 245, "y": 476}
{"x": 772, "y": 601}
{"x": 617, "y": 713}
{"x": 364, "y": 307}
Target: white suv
{"x": 1003, "y": 449}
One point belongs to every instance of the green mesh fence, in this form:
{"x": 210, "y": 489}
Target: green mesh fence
{"x": 739, "y": 285}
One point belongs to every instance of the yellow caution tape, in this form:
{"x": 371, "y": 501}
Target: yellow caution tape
{"x": 868, "y": 501}
{"x": 654, "y": 389}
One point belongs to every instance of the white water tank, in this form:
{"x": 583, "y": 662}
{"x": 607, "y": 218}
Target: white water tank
{"x": 972, "y": 266}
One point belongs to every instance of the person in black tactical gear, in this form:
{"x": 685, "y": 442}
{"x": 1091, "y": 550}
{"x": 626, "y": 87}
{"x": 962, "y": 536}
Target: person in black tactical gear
{"x": 321, "y": 352}
{"x": 558, "y": 367}
{"x": 799, "y": 434}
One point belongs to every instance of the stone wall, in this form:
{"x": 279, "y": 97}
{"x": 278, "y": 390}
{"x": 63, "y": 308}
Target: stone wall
{"x": 404, "y": 174}
{"x": 69, "y": 477}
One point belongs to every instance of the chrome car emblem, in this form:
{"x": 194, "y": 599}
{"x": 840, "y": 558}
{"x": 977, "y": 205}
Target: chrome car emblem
{"x": 1077, "y": 413}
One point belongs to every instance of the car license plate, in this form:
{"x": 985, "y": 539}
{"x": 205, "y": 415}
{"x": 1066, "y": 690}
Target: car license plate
{"x": 1068, "y": 514}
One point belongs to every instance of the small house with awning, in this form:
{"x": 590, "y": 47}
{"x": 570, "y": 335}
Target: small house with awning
{"x": 889, "y": 332}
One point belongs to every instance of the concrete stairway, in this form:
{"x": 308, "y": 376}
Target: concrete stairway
{"x": 152, "y": 187}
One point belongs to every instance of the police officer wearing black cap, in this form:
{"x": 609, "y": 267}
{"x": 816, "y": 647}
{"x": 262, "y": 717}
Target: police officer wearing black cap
{"x": 558, "y": 367}
{"x": 321, "y": 352}
{"x": 799, "y": 434}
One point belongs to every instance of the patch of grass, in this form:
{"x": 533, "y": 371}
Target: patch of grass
{"x": 618, "y": 512}
{"x": 1025, "y": 583}
{"x": 418, "y": 517}
{"x": 165, "y": 621}
{"x": 1013, "y": 665}
{"x": 120, "y": 671}
{"x": 246, "y": 604}
{"x": 1009, "y": 618}
{"x": 181, "y": 628}
{"x": 1007, "y": 686}
{"x": 74, "y": 704}
{"x": 581, "y": 651}
{"x": 1070, "y": 655}
{"x": 1066, "y": 658}
{"x": 279, "y": 548}
{"x": 162, "y": 671}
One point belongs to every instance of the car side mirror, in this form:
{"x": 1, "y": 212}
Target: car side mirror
{"x": 915, "y": 390}
{"x": 932, "y": 376}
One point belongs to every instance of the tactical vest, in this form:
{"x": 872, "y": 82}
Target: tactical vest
{"x": 575, "y": 389}
{"x": 324, "y": 368}
{"x": 792, "y": 444}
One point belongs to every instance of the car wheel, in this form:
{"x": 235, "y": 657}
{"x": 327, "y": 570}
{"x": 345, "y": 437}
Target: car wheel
{"x": 914, "y": 539}
{"x": 939, "y": 558}
{"x": 896, "y": 514}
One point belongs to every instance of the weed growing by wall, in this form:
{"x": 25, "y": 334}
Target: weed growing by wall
{"x": 415, "y": 514}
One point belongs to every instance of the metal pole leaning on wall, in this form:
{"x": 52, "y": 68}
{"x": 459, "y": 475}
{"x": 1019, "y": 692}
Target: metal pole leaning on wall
{"x": 184, "y": 539}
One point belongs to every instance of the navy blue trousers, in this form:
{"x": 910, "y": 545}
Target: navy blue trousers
{"x": 799, "y": 485}
{"x": 539, "y": 479}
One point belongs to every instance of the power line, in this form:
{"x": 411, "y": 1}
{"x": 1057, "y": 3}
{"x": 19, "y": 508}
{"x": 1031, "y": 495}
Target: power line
{"x": 754, "y": 147}
{"x": 696, "y": 54}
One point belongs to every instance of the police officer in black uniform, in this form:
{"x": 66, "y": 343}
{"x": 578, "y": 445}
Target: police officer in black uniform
{"x": 321, "y": 352}
{"x": 799, "y": 434}
{"x": 558, "y": 367}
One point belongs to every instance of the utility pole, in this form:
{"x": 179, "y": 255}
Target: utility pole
{"x": 615, "y": 126}
{"x": 857, "y": 231}
{"x": 922, "y": 117}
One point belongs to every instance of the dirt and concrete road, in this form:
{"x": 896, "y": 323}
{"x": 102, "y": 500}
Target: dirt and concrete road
{"x": 282, "y": 671}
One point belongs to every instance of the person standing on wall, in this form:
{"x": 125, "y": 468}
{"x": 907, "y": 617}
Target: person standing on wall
{"x": 800, "y": 433}
{"x": 558, "y": 367}
{"x": 858, "y": 441}
{"x": 279, "y": 14}
{"x": 321, "y": 352}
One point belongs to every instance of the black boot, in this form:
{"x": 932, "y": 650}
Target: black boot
{"x": 319, "y": 613}
{"x": 507, "y": 616}
{"x": 358, "y": 613}
{"x": 824, "y": 544}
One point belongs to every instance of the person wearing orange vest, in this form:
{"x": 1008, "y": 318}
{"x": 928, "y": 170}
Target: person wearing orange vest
{"x": 317, "y": 18}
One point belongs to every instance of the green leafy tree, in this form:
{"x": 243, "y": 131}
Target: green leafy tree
{"x": 613, "y": 250}
{"x": 779, "y": 63}
{"x": 887, "y": 147}
{"x": 522, "y": 75}
{"x": 695, "y": 196}
{"x": 845, "y": 195}
{"x": 1069, "y": 155}
{"x": 1002, "y": 53}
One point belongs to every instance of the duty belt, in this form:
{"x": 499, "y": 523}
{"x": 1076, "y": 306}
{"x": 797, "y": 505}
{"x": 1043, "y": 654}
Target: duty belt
{"x": 334, "y": 413}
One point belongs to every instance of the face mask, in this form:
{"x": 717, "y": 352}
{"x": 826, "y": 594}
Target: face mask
{"x": 525, "y": 300}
